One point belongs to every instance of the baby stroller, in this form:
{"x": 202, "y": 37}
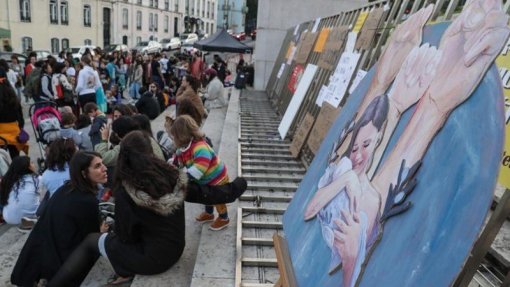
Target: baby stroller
{"x": 45, "y": 119}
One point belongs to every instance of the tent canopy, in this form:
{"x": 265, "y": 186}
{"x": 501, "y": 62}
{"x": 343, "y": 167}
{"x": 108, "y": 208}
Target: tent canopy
{"x": 221, "y": 41}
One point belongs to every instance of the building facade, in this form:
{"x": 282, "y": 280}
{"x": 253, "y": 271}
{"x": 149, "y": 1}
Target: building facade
{"x": 58, "y": 24}
{"x": 201, "y": 16}
{"x": 232, "y": 15}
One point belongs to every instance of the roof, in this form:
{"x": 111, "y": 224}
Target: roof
{"x": 221, "y": 41}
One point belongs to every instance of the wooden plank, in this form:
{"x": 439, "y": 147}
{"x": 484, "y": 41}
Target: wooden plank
{"x": 251, "y": 209}
{"x": 287, "y": 277}
{"x": 257, "y": 241}
{"x": 239, "y": 249}
{"x": 265, "y": 198}
{"x": 260, "y": 262}
{"x": 262, "y": 224}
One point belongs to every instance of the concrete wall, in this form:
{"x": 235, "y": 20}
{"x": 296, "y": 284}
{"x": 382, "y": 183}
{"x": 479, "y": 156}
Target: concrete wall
{"x": 276, "y": 16}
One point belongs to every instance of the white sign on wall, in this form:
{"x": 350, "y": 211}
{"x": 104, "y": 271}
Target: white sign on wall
{"x": 296, "y": 100}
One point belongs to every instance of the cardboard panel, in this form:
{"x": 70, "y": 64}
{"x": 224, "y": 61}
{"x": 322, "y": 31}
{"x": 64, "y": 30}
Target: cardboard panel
{"x": 301, "y": 134}
{"x": 326, "y": 117}
{"x": 369, "y": 29}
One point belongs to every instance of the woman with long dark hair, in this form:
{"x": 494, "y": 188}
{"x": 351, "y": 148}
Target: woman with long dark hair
{"x": 19, "y": 194}
{"x": 70, "y": 215}
{"x": 11, "y": 117}
{"x": 57, "y": 164}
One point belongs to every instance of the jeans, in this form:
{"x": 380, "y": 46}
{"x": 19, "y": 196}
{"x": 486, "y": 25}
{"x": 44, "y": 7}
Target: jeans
{"x": 134, "y": 90}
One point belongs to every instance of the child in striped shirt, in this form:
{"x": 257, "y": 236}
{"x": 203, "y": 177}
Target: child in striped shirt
{"x": 202, "y": 165}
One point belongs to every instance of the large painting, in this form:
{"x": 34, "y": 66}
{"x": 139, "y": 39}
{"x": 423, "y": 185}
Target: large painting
{"x": 400, "y": 187}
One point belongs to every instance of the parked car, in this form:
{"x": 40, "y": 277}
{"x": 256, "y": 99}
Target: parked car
{"x": 171, "y": 43}
{"x": 116, "y": 47}
{"x": 240, "y": 36}
{"x": 253, "y": 34}
{"x": 78, "y": 51}
{"x": 189, "y": 38}
{"x": 7, "y": 57}
{"x": 148, "y": 47}
{"x": 41, "y": 54}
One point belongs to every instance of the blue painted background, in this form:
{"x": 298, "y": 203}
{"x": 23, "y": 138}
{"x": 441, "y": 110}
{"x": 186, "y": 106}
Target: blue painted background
{"x": 427, "y": 245}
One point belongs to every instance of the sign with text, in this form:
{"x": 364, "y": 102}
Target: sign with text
{"x": 503, "y": 63}
{"x": 371, "y": 25}
{"x": 301, "y": 134}
{"x": 333, "y": 46}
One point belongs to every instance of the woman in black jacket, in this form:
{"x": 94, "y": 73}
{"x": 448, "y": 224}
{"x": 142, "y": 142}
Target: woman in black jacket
{"x": 69, "y": 216}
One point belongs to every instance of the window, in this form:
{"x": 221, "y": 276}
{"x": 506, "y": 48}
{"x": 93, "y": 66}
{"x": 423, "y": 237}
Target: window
{"x": 53, "y": 12}
{"x": 86, "y": 16}
{"x": 55, "y": 46}
{"x": 88, "y": 42}
{"x": 139, "y": 2}
{"x": 65, "y": 44}
{"x": 208, "y": 9}
{"x": 64, "y": 19}
{"x": 212, "y": 12}
{"x": 151, "y": 3}
{"x": 167, "y": 5}
{"x": 166, "y": 24}
{"x": 26, "y": 43}
{"x": 156, "y": 22}
{"x": 151, "y": 21}
{"x": 203, "y": 8}
{"x": 156, "y": 4}
{"x": 24, "y": 11}
{"x": 138, "y": 20}
{"x": 125, "y": 18}
{"x": 138, "y": 39}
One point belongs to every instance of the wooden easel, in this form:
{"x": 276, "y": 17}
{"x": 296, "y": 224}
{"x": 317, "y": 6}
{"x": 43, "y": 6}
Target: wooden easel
{"x": 287, "y": 278}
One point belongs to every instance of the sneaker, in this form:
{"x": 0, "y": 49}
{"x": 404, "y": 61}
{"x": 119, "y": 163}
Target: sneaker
{"x": 219, "y": 224}
{"x": 26, "y": 224}
{"x": 204, "y": 217}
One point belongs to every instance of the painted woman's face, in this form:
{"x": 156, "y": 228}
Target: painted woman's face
{"x": 363, "y": 148}
{"x": 97, "y": 171}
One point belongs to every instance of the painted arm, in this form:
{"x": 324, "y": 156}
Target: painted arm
{"x": 324, "y": 195}
{"x": 480, "y": 31}
{"x": 410, "y": 84}
{"x": 406, "y": 36}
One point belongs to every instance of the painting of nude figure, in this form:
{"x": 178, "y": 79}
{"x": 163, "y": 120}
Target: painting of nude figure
{"x": 410, "y": 164}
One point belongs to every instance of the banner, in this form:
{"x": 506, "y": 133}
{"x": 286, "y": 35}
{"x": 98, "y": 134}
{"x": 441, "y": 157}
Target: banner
{"x": 503, "y": 63}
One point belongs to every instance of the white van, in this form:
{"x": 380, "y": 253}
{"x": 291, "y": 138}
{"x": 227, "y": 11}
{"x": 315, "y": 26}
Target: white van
{"x": 189, "y": 38}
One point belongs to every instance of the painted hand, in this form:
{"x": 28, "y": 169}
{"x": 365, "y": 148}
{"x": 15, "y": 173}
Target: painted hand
{"x": 469, "y": 46}
{"x": 414, "y": 77}
{"x": 347, "y": 241}
{"x": 396, "y": 202}
{"x": 405, "y": 37}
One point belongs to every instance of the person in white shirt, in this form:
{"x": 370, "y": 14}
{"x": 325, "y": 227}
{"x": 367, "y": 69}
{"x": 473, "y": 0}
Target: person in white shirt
{"x": 88, "y": 82}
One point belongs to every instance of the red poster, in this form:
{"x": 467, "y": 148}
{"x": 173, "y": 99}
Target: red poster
{"x": 295, "y": 77}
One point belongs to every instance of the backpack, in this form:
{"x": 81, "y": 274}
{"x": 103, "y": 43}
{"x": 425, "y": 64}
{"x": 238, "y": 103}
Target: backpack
{"x": 60, "y": 91}
{"x": 33, "y": 83}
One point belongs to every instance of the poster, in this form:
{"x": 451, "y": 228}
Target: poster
{"x": 301, "y": 134}
{"x": 291, "y": 54}
{"x": 342, "y": 77}
{"x": 343, "y": 240}
{"x": 325, "y": 119}
{"x": 305, "y": 46}
{"x": 503, "y": 63}
{"x": 369, "y": 29}
{"x": 295, "y": 78}
{"x": 360, "y": 21}
{"x": 321, "y": 41}
{"x": 333, "y": 46}
{"x": 296, "y": 100}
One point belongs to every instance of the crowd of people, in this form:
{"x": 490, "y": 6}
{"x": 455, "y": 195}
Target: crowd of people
{"x": 106, "y": 152}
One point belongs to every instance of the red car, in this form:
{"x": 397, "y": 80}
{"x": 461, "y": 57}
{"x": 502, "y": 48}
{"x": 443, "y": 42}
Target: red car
{"x": 241, "y": 36}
